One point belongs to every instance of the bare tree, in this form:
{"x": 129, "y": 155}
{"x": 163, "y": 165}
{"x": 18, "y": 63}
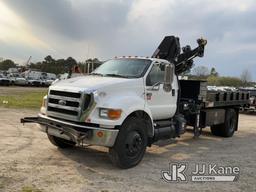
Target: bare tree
{"x": 214, "y": 72}
{"x": 200, "y": 71}
{"x": 246, "y": 77}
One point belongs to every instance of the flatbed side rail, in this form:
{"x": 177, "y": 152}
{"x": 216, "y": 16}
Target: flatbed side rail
{"x": 226, "y": 98}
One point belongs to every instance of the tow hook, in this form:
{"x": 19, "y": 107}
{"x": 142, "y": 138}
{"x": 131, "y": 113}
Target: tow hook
{"x": 81, "y": 137}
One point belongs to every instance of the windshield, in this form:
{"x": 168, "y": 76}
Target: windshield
{"x": 126, "y": 68}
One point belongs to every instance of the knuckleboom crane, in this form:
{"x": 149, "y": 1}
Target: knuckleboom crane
{"x": 169, "y": 49}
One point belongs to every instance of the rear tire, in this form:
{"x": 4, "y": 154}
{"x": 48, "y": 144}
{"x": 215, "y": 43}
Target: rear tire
{"x": 130, "y": 144}
{"x": 59, "y": 142}
{"x": 215, "y": 129}
{"x": 228, "y": 128}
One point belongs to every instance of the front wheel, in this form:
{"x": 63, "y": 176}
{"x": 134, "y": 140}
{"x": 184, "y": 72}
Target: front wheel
{"x": 130, "y": 144}
{"x": 59, "y": 142}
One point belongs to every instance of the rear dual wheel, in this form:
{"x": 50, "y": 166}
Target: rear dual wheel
{"x": 228, "y": 128}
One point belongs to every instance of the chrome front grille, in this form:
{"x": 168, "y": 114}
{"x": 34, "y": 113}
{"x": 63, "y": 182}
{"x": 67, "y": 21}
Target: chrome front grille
{"x": 65, "y": 94}
{"x": 65, "y": 104}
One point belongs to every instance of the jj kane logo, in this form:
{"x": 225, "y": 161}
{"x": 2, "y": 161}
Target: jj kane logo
{"x": 175, "y": 173}
{"x": 179, "y": 172}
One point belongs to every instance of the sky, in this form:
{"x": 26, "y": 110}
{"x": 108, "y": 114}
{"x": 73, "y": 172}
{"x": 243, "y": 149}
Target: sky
{"x": 108, "y": 28}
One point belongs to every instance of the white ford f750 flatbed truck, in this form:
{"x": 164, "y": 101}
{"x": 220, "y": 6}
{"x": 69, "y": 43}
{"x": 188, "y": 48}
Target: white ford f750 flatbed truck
{"x": 129, "y": 103}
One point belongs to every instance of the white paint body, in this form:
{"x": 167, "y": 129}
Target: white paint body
{"x": 129, "y": 95}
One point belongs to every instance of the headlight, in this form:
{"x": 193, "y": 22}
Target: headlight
{"x": 44, "y": 105}
{"x": 110, "y": 113}
{"x": 44, "y": 101}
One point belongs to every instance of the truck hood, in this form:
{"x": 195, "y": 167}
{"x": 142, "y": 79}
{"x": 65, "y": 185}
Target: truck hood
{"x": 89, "y": 83}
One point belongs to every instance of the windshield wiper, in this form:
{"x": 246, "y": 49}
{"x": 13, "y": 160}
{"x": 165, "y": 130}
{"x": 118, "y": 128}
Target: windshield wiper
{"x": 99, "y": 74}
{"x": 116, "y": 75}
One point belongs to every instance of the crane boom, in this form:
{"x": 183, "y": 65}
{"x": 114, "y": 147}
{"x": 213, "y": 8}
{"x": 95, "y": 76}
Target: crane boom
{"x": 170, "y": 50}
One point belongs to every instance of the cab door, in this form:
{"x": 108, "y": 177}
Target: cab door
{"x": 161, "y": 103}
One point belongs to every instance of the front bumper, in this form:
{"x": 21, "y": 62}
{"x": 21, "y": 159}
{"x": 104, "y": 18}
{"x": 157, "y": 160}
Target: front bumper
{"x": 80, "y": 134}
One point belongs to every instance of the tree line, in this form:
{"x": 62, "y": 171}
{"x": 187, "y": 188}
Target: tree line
{"x": 51, "y": 65}
{"x": 5, "y": 64}
{"x": 213, "y": 78}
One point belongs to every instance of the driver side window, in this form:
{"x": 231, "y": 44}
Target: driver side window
{"x": 156, "y": 75}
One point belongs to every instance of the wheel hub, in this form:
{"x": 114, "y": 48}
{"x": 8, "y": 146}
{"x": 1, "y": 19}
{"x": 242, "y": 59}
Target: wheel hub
{"x": 133, "y": 143}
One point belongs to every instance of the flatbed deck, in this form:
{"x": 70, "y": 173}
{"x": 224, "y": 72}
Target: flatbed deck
{"x": 196, "y": 91}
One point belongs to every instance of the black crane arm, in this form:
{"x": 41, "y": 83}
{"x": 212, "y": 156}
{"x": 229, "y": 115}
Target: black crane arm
{"x": 169, "y": 49}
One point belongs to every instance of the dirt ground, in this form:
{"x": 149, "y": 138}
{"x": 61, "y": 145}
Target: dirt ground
{"x": 28, "y": 159}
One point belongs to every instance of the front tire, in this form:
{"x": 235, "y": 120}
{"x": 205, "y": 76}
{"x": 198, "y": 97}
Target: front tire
{"x": 59, "y": 142}
{"x": 130, "y": 144}
{"x": 228, "y": 128}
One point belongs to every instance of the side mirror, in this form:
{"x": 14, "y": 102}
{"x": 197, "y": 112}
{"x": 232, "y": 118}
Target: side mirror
{"x": 168, "y": 77}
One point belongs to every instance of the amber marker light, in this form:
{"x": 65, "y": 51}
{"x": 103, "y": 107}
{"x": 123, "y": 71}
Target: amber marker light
{"x": 114, "y": 113}
{"x": 100, "y": 134}
{"x": 110, "y": 113}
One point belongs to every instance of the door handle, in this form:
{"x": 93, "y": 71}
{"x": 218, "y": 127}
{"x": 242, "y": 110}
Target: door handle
{"x": 173, "y": 92}
{"x": 155, "y": 87}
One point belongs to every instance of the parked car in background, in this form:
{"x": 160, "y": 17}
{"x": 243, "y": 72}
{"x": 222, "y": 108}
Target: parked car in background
{"x": 47, "y": 82}
{"x": 16, "y": 79}
{"x": 11, "y": 79}
{"x": 4, "y": 80}
{"x": 31, "y": 74}
{"x": 34, "y": 82}
{"x": 20, "y": 81}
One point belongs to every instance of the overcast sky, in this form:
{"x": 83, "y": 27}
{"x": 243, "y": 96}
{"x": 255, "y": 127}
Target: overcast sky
{"x": 108, "y": 28}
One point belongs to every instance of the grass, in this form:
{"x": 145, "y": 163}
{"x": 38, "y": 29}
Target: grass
{"x": 23, "y": 99}
{"x": 30, "y": 189}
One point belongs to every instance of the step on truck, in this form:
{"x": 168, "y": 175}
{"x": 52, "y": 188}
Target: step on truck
{"x": 128, "y": 103}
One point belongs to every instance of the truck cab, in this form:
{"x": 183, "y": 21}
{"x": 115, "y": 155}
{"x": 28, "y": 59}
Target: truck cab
{"x": 122, "y": 84}
{"x": 94, "y": 109}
